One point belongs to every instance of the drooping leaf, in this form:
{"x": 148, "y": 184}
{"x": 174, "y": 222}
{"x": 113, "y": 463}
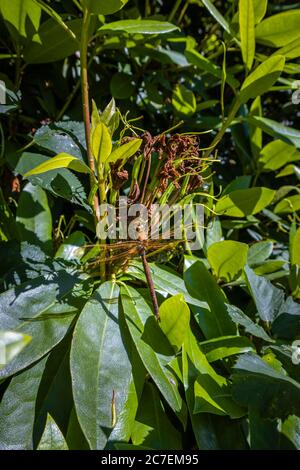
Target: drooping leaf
{"x": 227, "y": 259}
{"x": 275, "y": 129}
{"x": 63, "y": 160}
{"x": 238, "y": 317}
{"x": 245, "y": 202}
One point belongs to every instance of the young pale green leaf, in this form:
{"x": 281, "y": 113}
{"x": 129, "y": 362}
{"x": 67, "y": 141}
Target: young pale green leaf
{"x": 227, "y": 259}
{"x": 260, "y": 9}
{"x": 262, "y": 79}
{"x": 289, "y": 170}
{"x": 103, "y": 7}
{"x": 247, "y": 32}
{"x": 184, "y": 100}
{"x": 225, "y": 346}
{"x": 13, "y": 343}
{"x": 100, "y": 366}
{"x": 17, "y": 409}
{"x": 279, "y": 30}
{"x": 110, "y": 116}
{"x": 34, "y": 219}
{"x": 138, "y": 27}
{"x": 22, "y": 17}
{"x": 125, "y": 151}
{"x": 245, "y": 202}
{"x": 62, "y": 160}
{"x": 277, "y": 154}
{"x": 52, "y": 438}
{"x": 151, "y": 344}
{"x": 101, "y": 143}
{"x": 174, "y": 320}
{"x": 288, "y": 205}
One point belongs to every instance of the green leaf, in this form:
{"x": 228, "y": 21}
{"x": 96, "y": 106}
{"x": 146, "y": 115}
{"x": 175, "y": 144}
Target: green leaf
{"x": 291, "y": 50}
{"x": 43, "y": 308}
{"x": 152, "y": 427}
{"x": 260, "y": 387}
{"x": 279, "y": 30}
{"x": 277, "y": 154}
{"x": 174, "y": 320}
{"x": 288, "y": 205}
{"x": 245, "y": 202}
{"x": 238, "y": 317}
{"x": 227, "y": 259}
{"x": 52, "y": 42}
{"x": 275, "y": 129}
{"x": 259, "y": 252}
{"x": 11, "y": 344}
{"x": 268, "y": 298}
{"x": 287, "y": 323}
{"x": 217, "y": 15}
{"x": 17, "y": 409}
{"x": 110, "y": 116}
{"x": 289, "y": 170}
{"x": 62, "y": 160}
{"x": 103, "y": 7}
{"x": 247, "y": 32}
{"x": 295, "y": 248}
{"x": 139, "y": 27}
{"x": 184, "y": 100}
{"x": 101, "y": 143}
{"x": 260, "y": 9}
{"x": 225, "y": 346}
{"x": 22, "y": 17}
{"x": 214, "y": 321}
{"x": 152, "y": 346}
{"x": 262, "y": 79}
{"x": 122, "y": 86}
{"x": 52, "y": 438}
{"x": 34, "y": 219}
{"x": 125, "y": 151}
{"x": 100, "y": 366}
{"x": 256, "y": 139}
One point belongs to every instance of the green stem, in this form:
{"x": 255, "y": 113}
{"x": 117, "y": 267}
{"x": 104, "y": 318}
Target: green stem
{"x": 174, "y": 10}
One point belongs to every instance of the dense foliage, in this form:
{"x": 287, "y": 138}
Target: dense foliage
{"x": 87, "y": 366}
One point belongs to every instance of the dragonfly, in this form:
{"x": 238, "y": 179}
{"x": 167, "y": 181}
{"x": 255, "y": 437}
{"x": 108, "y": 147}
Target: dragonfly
{"x": 117, "y": 256}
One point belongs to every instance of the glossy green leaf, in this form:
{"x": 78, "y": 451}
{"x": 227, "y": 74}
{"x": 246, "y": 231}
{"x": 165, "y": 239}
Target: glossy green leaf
{"x": 101, "y": 143}
{"x": 288, "y": 205}
{"x": 262, "y": 78}
{"x": 152, "y": 346}
{"x": 247, "y": 32}
{"x": 256, "y": 139}
{"x": 34, "y": 220}
{"x": 52, "y": 439}
{"x": 277, "y": 154}
{"x": 125, "y": 151}
{"x": 174, "y": 320}
{"x": 52, "y": 42}
{"x": 259, "y": 252}
{"x": 152, "y": 427}
{"x": 260, "y": 9}
{"x": 100, "y": 366}
{"x": 268, "y": 298}
{"x": 275, "y": 129}
{"x": 22, "y": 17}
{"x": 259, "y": 386}
{"x": 291, "y": 50}
{"x": 279, "y": 30}
{"x": 245, "y": 202}
{"x": 63, "y": 160}
{"x": 184, "y": 100}
{"x": 103, "y": 7}
{"x": 238, "y": 317}
{"x": 138, "y": 27}
{"x": 225, "y": 346}
{"x": 227, "y": 259}
{"x": 214, "y": 320}
{"x": 17, "y": 409}
{"x": 295, "y": 248}
{"x": 110, "y": 116}
{"x": 11, "y": 344}
{"x": 217, "y": 15}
